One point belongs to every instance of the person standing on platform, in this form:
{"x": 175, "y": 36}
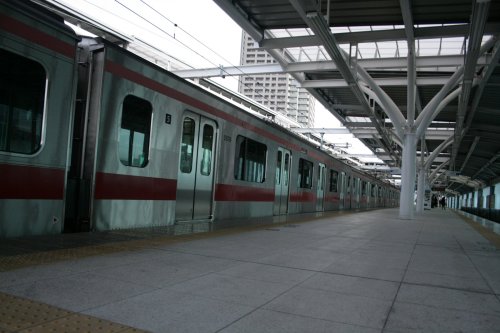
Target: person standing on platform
{"x": 442, "y": 202}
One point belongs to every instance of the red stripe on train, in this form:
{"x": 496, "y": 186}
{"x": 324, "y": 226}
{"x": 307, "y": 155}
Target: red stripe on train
{"x": 36, "y": 36}
{"x": 332, "y": 198}
{"x": 28, "y": 182}
{"x": 225, "y": 192}
{"x": 302, "y": 197}
{"x": 126, "y": 187}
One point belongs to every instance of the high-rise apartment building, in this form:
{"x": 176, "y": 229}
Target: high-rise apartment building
{"x": 279, "y": 92}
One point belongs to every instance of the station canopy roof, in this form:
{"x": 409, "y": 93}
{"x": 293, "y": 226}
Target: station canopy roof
{"x": 352, "y": 55}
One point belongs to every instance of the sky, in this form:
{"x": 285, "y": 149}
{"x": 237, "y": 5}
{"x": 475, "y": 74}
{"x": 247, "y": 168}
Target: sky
{"x": 197, "y": 32}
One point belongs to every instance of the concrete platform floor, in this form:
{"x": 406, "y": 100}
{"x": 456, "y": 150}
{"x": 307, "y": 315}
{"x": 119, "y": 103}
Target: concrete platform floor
{"x": 363, "y": 272}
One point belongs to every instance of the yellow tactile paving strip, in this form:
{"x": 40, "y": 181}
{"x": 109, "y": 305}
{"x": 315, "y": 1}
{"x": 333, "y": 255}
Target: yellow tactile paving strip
{"x": 23, "y": 316}
{"x": 485, "y": 232}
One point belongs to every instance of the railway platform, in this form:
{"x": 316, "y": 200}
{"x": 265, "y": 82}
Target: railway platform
{"x": 334, "y": 272}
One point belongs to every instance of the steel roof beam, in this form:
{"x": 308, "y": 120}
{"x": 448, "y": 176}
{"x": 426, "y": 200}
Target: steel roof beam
{"x": 432, "y": 157}
{"x": 479, "y": 92}
{"x": 476, "y": 32}
{"x": 469, "y": 153}
{"x": 244, "y": 21}
{"x": 411, "y": 70}
{"x": 432, "y": 63}
{"x": 432, "y": 134}
{"x": 490, "y": 162}
{"x": 434, "y": 176}
{"x": 318, "y": 25}
{"x": 451, "y": 31}
{"x": 388, "y": 105}
{"x": 397, "y": 81}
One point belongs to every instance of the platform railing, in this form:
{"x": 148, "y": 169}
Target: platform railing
{"x": 487, "y": 213}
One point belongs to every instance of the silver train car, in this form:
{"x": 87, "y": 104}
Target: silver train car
{"x": 93, "y": 137}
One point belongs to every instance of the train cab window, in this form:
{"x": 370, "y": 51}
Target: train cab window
{"x": 305, "y": 173}
{"x": 187, "y": 145}
{"x": 22, "y": 100}
{"x": 135, "y": 131}
{"x": 334, "y": 177}
{"x": 250, "y": 163}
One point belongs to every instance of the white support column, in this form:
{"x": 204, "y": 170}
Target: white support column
{"x": 421, "y": 183}
{"x": 406, "y": 202}
{"x": 421, "y": 190}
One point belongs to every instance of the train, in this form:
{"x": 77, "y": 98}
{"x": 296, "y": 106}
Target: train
{"x": 95, "y": 138}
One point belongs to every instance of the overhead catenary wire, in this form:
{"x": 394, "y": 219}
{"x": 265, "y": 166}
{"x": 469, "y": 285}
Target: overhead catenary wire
{"x": 185, "y": 45}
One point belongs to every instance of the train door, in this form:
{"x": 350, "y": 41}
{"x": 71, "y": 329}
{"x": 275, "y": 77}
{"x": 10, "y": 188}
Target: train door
{"x": 341, "y": 190}
{"x": 320, "y": 192}
{"x": 196, "y": 168}
{"x": 348, "y": 190}
{"x": 281, "y": 187}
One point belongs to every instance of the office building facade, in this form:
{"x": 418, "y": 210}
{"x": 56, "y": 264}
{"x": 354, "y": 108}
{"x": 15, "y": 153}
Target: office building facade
{"x": 279, "y": 92}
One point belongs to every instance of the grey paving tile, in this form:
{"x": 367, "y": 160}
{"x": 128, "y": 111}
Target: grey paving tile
{"x": 444, "y": 280}
{"x": 153, "y": 273}
{"x": 489, "y": 266}
{"x": 388, "y": 246}
{"x": 444, "y": 261}
{"x": 269, "y": 273}
{"x": 363, "y": 269}
{"x": 34, "y": 273}
{"x": 444, "y": 298}
{"x": 232, "y": 289}
{"x": 196, "y": 262}
{"x": 265, "y": 321}
{"x": 77, "y": 292}
{"x": 169, "y": 311}
{"x": 300, "y": 258}
{"x": 328, "y": 305}
{"x": 350, "y": 285}
{"x": 406, "y": 317}
{"x": 338, "y": 244}
{"x": 390, "y": 260}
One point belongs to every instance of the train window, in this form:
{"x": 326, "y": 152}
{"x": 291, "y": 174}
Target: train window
{"x": 22, "y": 100}
{"x": 187, "y": 145}
{"x": 135, "y": 131}
{"x": 363, "y": 187}
{"x": 250, "y": 163}
{"x": 334, "y": 177}
{"x": 207, "y": 146}
{"x": 305, "y": 173}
